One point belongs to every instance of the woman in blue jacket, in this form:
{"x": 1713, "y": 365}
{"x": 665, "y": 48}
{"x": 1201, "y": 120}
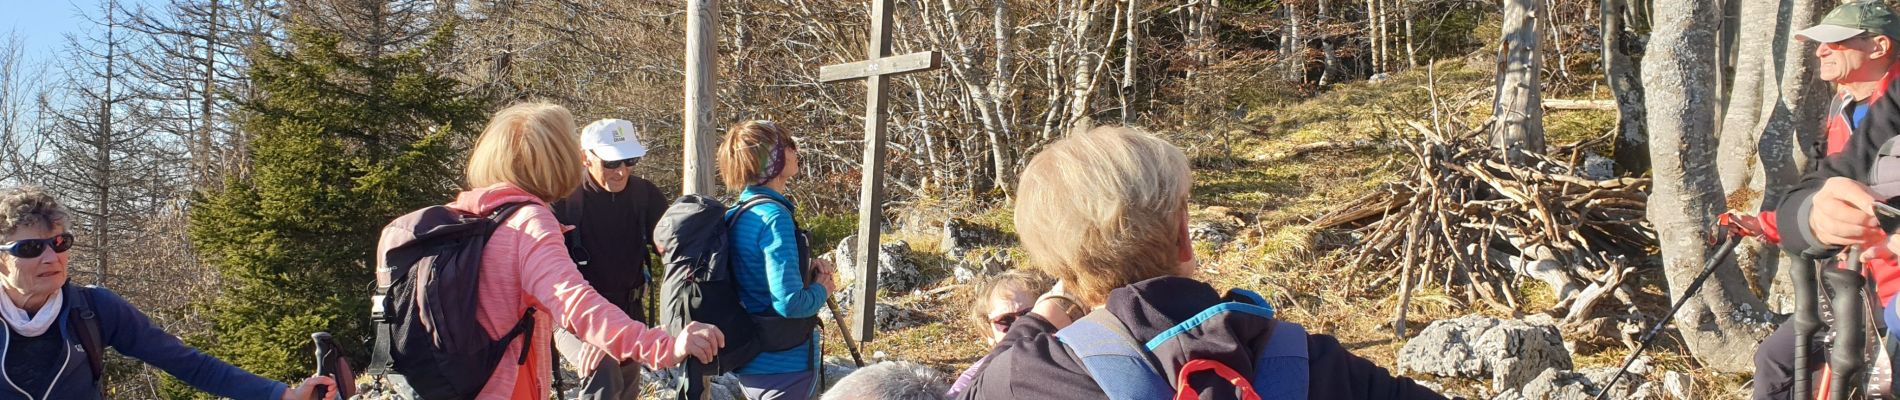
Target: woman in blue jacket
{"x": 43, "y": 355}
{"x": 760, "y": 158}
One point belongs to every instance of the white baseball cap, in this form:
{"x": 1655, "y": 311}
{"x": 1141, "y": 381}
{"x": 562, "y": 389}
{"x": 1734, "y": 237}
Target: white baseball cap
{"x": 612, "y": 140}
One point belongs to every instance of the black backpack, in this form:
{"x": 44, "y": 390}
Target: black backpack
{"x": 694, "y": 239}
{"x": 429, "y": 345}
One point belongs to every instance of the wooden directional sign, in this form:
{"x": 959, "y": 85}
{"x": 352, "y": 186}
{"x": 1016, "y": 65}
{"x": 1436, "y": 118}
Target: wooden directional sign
{"x": 913, "y": 62}
{"x": 875, "y": 72}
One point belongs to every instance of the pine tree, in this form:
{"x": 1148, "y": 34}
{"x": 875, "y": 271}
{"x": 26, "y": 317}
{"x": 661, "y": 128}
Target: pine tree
{"x": 344, "y": 139}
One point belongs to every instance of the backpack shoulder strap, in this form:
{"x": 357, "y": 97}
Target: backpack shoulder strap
{"x": 86, "y": 319}
{"x": 1114, "y": 359}
{"x": 500, "y": 214}
{"x": 805, "y": 270}
{"x": 1283, "y": 370}
{"x": 754, "y": 201}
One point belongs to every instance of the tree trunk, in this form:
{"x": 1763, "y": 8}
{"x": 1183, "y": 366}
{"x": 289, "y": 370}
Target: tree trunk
{"x": 1743, "y": 121}
{"x": 1089, "y": 64}
{"x": 1329, "y": 73}
{"x": 1131, "y": 55}
{"x": 1411, "y": 47}
{"x": 1625, "y": 80}
{"x": 102, "y": 144}
{"x": 1293, "y": 47}
{"x": 1519, "y": 112}
{"x": 1372, "y": 35}
{"x": 1796, "y": 115}
{"x": 202, "y": 175}
{"x": 1001, "y": 91}
{"x": 1680, "y": 100}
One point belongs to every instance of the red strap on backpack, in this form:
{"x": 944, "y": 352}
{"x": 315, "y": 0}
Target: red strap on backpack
{"x": 1240, "y": 382}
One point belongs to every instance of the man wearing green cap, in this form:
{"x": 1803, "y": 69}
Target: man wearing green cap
{"x": 1830, "y": 208}
{"x": 1854, "y": 44}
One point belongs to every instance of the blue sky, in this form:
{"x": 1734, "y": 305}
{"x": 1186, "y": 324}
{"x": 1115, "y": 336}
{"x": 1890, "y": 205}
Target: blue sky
{"x": 42, "y": 24}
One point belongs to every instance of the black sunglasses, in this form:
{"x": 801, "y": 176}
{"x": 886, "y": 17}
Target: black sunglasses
{"x": 29, "y": 248}
{"x": 619, "y": 163}
{"x": 1002, "y": 322}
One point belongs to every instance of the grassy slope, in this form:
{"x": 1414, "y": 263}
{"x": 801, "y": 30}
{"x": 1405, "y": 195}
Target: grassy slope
{"x": 1277, "y": 254}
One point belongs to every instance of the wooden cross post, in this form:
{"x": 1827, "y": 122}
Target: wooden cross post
{"x": 875, "y": 71}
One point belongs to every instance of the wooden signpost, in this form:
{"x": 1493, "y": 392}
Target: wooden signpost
{"x": 698, "y": 116}
{"x": 876, "y": 71}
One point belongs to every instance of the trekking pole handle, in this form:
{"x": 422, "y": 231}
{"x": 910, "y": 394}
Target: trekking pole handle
{"x": 331, "y": 363}
{"x": 325, "y": 348}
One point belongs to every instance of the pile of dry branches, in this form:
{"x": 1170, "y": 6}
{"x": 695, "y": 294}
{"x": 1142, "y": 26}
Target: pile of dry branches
{"x": 1465, "y": 218}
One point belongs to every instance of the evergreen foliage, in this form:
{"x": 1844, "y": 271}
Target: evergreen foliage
{"x": 343, "y": 140}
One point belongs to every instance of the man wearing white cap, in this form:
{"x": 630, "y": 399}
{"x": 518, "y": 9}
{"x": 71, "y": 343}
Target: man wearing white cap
{"x": 613, "y": 215}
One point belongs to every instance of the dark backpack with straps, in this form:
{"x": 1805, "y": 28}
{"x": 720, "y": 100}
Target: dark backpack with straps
{"x": 694, "y": 237}
{"x": 429, "y": 343}
{"x": 1127, "y": 369}
{"x": 85, "y": 320}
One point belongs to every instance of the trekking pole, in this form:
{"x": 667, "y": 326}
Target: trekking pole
{"x": 1848, "y": 356}
{"x": 1731, "y": 236}
{"x": 838, "y": 319}
{"x": 330, "y": 362}
{"x": 1807, "y": 324}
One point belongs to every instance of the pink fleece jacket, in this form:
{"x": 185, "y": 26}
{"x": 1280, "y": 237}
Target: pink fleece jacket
{"x": 526, "y": 265}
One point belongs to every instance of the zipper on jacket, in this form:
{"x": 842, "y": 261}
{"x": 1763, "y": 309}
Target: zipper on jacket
{"x": 6, "y": 345}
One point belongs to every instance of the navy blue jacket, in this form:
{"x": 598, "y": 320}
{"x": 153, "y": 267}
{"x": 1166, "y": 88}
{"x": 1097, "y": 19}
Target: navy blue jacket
{"x": 128, "y": 331}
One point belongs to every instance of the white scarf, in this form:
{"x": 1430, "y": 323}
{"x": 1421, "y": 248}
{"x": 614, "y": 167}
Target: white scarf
{"x": 30, "y": 326}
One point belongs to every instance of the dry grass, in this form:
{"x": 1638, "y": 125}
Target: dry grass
{"x": 1293, "y": 265}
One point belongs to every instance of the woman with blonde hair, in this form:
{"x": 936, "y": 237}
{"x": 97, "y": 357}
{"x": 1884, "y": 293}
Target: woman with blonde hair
{"x": 997, "y": 303}
{"x": 777, "y": 276}
{"x": 529, "y": 154}
{"x": 1105, "y": 213}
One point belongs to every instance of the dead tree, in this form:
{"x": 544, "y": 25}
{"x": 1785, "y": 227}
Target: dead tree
{"x": 1518, "y": 111}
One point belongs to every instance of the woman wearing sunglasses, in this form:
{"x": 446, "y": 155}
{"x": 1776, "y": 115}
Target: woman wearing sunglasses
{"x": 999, "y": 302}
{"x": 44, "y": 353}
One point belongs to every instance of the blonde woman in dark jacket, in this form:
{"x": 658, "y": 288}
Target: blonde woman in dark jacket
{"x": 1105, "y": 213}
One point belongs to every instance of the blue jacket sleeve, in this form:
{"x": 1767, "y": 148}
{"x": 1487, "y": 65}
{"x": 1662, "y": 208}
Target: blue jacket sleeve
{"x": 790, "y": 296}
{"x": 131, "y": 333}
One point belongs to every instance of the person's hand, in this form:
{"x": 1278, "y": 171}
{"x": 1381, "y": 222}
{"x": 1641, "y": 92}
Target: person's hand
{"x": 1842, "y": 214}
{"x": 308, "y": 389}
{"x": 830, "y": 281}
{"x": 698, "y": 340}
{"x": 823, "y": 266}
{"x": 827, "y": 275}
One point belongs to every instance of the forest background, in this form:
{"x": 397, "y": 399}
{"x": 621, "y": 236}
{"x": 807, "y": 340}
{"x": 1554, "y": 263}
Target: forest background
{"x": 222, "y": 154}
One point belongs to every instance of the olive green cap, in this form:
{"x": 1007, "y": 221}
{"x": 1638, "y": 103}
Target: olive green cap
{"x": 1853, "y": 19}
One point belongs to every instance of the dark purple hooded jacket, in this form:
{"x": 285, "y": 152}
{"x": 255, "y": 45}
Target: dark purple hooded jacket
{"x": 1030, "y": 363}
